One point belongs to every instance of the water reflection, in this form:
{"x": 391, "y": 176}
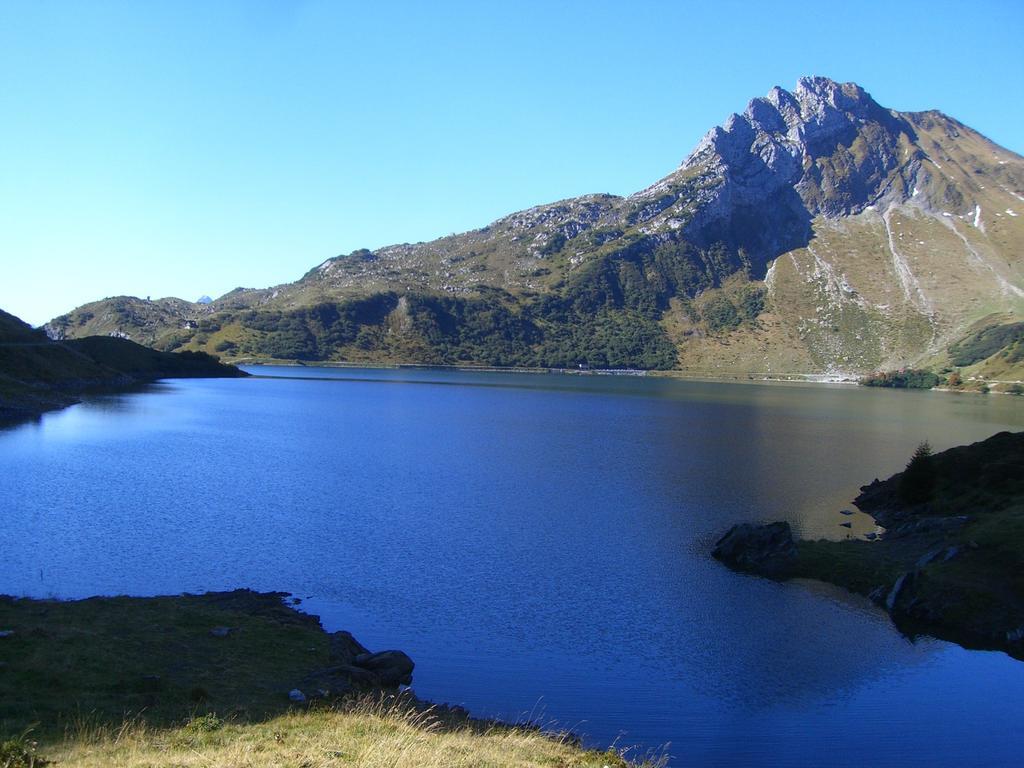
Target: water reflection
{"x": 526, "y": 538}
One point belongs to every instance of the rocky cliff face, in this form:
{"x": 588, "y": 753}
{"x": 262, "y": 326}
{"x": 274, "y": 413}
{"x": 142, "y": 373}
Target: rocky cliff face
{"x": 816, "y": 232}
{"x": 805, "y": 141}
{"x": 826, "y": 149}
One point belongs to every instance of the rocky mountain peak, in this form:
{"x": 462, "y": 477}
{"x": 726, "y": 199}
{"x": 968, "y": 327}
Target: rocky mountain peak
{"x": 818, "y": 96}
{"x": 798, "y": 124}
{"x": 825, "y": 148}
{"x": 814, "y": 103}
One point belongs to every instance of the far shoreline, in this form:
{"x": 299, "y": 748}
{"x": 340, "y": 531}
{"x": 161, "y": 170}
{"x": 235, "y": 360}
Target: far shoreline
{"x": 844, "y": 380}
{"x": 788, "y": 378}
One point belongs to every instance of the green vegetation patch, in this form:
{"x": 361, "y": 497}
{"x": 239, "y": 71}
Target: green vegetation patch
{"x": 1008, "y": 339}
{"x": 613, "y": 338}
{"x": 720, "y": 314}
{"x": 725, "y": 309}
{"x": 204, "y": 680}
{"x": 908, "y": 378}
{"x": 141, "y": 362}
{"x": 107, "y": 658}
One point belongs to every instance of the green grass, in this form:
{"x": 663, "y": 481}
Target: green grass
{"x": 112, "y": 657}
{"x": 142, "y": 682}
{"x": 48, "y": 363}
{"x": 859, "y": 566}
{"x": 988, "y": 341}
{"x": 141, "y": 362}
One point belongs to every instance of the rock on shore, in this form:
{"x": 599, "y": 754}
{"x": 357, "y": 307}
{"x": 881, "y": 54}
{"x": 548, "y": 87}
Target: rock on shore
{"x": 767, "y": 550}
{"x": 352, "y": 668}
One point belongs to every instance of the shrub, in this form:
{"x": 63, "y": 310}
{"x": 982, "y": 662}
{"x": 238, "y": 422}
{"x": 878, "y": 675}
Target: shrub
{"x": 909, "y": 378}
{"x": 720, "y": 314}
{"x": 20, "y": 752}
{"x": 751, "y": 302}
{"x": 554, "y": 244}
{"x": 207, "y": 723}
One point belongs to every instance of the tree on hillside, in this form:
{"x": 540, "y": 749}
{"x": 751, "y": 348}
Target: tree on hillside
{"x": 918, "y": 480}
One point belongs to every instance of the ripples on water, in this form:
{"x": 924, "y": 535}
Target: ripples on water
{"x": 538, "y": 543}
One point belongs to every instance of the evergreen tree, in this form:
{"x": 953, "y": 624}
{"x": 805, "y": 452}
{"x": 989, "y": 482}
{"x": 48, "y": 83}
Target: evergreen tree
{"x": 918, "y": 480}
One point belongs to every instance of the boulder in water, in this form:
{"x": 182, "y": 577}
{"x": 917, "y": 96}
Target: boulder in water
{"x": 767, "y": 550}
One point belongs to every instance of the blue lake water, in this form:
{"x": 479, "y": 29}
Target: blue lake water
{"x": 537, "y": 543}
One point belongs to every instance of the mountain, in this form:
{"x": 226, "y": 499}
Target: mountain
{"x": 38, "y": 374}
{"x": 816, "y": 232}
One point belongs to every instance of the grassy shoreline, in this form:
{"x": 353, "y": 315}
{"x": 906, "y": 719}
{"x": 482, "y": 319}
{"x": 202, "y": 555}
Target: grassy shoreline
{"x": 205, "y": 680}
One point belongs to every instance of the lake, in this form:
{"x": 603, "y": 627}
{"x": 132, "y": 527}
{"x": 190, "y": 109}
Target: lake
{"x": 539, "y": 544}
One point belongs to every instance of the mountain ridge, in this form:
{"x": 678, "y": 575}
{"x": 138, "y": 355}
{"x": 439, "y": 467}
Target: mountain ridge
{"x": 806, "y": 214}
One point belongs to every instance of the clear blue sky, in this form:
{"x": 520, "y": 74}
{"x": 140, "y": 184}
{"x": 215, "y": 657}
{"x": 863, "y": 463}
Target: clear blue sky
{"x": 182, "y": 148}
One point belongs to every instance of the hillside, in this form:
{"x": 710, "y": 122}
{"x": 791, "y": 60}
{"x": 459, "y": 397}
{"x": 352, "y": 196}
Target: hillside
{"x": 38, "y": 374}
{"x": 816, "y": 232}
{"x": 14, "y": 330}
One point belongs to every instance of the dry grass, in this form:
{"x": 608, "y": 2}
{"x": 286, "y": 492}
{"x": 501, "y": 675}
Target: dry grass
{"x": 111, "y": 682}
{"x": 371, "y": 734}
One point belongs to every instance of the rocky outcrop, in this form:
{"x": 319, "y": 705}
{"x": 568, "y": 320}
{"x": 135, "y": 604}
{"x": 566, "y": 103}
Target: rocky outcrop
{"x": 767, "y": 550}
{"x": 352, "y": 669}
{"x": 825, "y": 149}
{"x": 392, "y": 668}
{"x": 786, "y": 140}
{"x": 948, "y": 566}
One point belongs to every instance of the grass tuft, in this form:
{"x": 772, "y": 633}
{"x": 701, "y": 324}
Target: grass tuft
{"x": 375, "y": 732}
